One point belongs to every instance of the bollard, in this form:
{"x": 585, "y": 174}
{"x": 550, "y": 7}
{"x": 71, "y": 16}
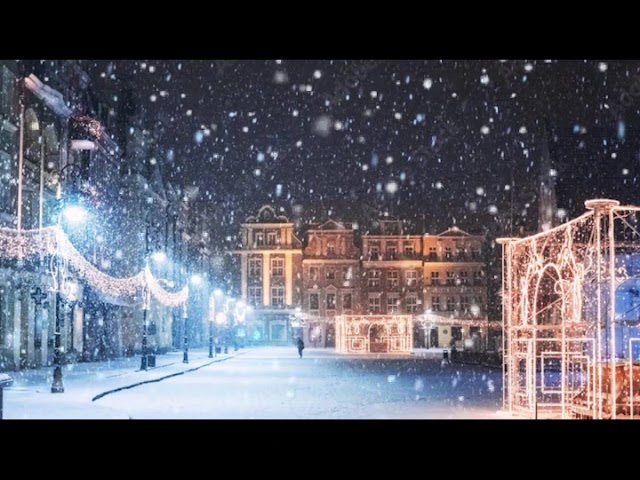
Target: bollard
{"x": 5, "y": 381}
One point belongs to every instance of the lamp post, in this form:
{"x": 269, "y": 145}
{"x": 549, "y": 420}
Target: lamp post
{"x": 221, "y": 320}
{"x": 145, "y": 301}
{"x": 212, "y": 316}
{"x": 74, "y": 214}
{"x": 211, "y": 354}
{"x": 57, "y": 386}
{"x": 185, "y": 356}
{"x": 195, "y": 280}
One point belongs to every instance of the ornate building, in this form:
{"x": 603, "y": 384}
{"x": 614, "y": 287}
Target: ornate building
{"x": 270, "y": 276}
{"x": 436, "y": 281}
{"x": 454, "y": 290}
{"x": 331, "y": 280}
{"x": 392, "y": 271}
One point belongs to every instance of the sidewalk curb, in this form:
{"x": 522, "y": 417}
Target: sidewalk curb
{"x": 159, "y": 379}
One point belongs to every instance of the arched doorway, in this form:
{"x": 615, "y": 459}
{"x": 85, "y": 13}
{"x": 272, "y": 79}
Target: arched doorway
{"x": 378, "y": 338}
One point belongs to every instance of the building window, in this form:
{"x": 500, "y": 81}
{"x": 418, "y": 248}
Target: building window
{"x": 433, "y": 255}
{"x": 374, "y": 252}
{"x": 392, "y": 250}
{"x": 447, "y": 253}
{"x": 331, "y": 273}
{"x": 412, "y": 304}
{"x": 277, "y": 296}
{"x": 373, "y": 278}
{"x": 475, "y": 254}
{"x": 464, "y": 304}
{"x": 347, "y": 273}
{"x": 451, "y": 304}
{"x": 346, "y": 301}
{"x": 271, "y": 238}
{"x": 393, "y": 303}
{"x": 7, "y": 82}
{"x": 255, "y": 296}
{"x": 478, "y": 302}
{"x": 460, "y": 253}
{"x": 411, "y": 277}
{"x": 392, "y": 278}
{"x": 409, "y": 250}
{"x": 374, "y": 304}
{"x": 331, "y": 248}
{"x": 255, "y": 267}
{"x": 477, "y": 277}
{"x": 464, "y": 278}
{"x": 456, "y": 334}
{"x": 450, "y": 278}
{"x": 314, "y": 273}
{"x": 314, "y": 301}
{"x": 277, "y": 267}
{"x": 259, "y": 239}
{"x": 435, "y": 304}
{"x": 331, "y": 301}
{"x": 435, "y": 278}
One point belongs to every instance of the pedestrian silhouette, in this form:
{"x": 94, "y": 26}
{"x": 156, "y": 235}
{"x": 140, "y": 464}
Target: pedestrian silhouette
{"x": 300, "y": 344}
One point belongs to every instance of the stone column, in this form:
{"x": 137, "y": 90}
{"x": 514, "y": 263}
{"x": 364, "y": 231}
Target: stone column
{"x": 17, "y": 311}
{"x": 243, "y": 275}
{"x": 44, "y": 346}
{"x": 78, "y": 324}
{"x": 266, "y": 279}
{"x": 32, "y": 311}
{"x": 288, "y": 278}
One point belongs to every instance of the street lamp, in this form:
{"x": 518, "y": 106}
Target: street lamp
{"x": 75, "y": 214}
{"x": 216, "y": 294}
{"x": 159, "y": 256}
{"x": 195, "y": 280}
{"x": 221, "y": 320}
{"x": 146, "y": 300}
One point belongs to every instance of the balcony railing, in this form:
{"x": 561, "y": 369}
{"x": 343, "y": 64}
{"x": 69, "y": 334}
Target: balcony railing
{"x": 393, "y": 256}
{"x": 433, "y": 257}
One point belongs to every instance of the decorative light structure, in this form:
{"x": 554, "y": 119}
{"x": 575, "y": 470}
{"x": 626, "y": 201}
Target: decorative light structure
{"x": 52, "y": 241}
{"x": 571, "y": 329}
{"x": 374, "y": 333}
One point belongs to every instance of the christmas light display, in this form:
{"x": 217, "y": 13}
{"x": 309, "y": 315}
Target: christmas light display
{"x": 53, "y": 243}
{"x": 166, "y": 298}
{"x": 570, "y": 343}
{"x": 374, "y": 333}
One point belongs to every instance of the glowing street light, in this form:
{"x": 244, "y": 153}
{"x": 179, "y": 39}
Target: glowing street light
{"x": 75, "y": 214}
{"x": 196, "y": 279}
{"x": 159, "y": 257}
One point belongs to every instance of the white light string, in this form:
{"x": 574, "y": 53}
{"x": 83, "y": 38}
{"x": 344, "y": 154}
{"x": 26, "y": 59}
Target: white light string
{"x": 50, "y": 241}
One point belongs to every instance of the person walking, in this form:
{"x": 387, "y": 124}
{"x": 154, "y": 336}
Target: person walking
{"x": 300, "y": 344}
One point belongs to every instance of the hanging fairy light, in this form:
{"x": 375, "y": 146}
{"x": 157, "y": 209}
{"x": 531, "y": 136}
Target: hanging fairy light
{"x": 168, "y": 299}
{"x": 52, "y": 241}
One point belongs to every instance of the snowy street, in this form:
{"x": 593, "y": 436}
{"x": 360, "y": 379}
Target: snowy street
{"x": 262, "y": 383}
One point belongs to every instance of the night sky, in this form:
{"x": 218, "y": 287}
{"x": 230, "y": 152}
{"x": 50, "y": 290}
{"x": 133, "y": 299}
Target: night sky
{"x": 433, "y": 142}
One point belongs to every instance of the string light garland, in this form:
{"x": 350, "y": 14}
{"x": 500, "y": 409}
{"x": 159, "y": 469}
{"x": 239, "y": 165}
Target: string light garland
{"x": 564, "y": 310}
{"x": 53, "y": 242}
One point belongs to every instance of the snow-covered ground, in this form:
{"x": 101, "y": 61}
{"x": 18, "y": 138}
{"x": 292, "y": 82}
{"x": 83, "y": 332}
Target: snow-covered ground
{"x": 267, "y": 382}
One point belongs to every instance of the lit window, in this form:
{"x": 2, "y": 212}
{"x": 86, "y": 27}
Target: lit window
{"x": 277, "y": 267}
{"x": 412, "y": 304}
{"x": 392, "y": 278}
{"x": 314, "y": 301}
{"x": 393, "y": 303}
{"x": 331, "y": 301}
{"x": 277, "y": 296}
